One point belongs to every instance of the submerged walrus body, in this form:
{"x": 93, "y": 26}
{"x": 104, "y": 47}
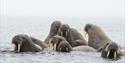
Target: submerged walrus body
{"x": 96, "y": 36}
{"x": 23, "y": 43}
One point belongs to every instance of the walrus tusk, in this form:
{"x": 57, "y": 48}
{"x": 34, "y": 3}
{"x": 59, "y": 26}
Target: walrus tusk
{"x": 108, "y": 53}
{"x": 85, "y": 35}
{"x": 61, "y": 33}
{"x": 66, "y": 49}
{"x": 13, "y": 45}
{"x": 50, "y": 42}
{"x": 114, "y": 54}
{"x": 66, "y": 33}
{"x": 18, "y": 50}
{"x": 54, "y": 47}
{"x": 60, "y": 49}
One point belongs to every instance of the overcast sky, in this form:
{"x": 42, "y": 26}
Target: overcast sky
{"x": 85, "y": 8}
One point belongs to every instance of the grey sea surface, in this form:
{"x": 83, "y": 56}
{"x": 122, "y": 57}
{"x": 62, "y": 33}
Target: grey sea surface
{"x": 39, "y": 27}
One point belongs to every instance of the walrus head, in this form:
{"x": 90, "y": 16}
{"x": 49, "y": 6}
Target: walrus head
{"x": 111, "y": 51}
{"x": 64, "y": 46}
{"x": 93, "y": 29}
{"x": 64, "y": 30}
{"x": 55, "y": 40}
{"x": 18, "y": 41}
{"x": 54, "y": 27}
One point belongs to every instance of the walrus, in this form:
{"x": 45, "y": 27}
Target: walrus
{"x": 65, "y": 32}
{"x": 97, "y": 38}
{"x": 23, "y": 43}
{"x": 53, "y": 31}
{"x": 60, "y": 44}
{"x": 78, "y": 38}
{"x": 84, "y": 48}
{"x": 111, "y": 51}
{"x": 64, "y": 46}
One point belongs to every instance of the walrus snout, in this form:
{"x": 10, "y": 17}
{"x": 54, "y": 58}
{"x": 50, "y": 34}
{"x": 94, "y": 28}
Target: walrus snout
{"x": 87, "y": 26}
{"x": 17, "y": 41}
{"x": 64, "y": 30}
{"x": 111, "y": 51}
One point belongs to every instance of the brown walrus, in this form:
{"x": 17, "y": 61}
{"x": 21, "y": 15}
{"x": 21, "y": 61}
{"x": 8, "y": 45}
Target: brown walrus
{"x": 23, "y": 43}
{"x": 78, "y": 38}
{"x": 53, "y": 31}
{"x": 84, "y": 49}
{"x": 65, "y": 32}
{"x": 96, "y": 36}
{"x": 111, "y": 51}
{"x": 60, "y": 44}
{"x": 64, "y": 46}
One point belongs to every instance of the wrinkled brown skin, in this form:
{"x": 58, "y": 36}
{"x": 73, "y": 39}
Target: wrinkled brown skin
{"x": 60, "y": 43}
{"x": 64, "y": 46}
{"x": 112, "y": 47}
{"x": 27, "y": 45}
{"x": 96, "y": 36}
{"x": 39, "y": 42}
{"x": 78, "y": 38}
{"x": 65, "y": 31}
{"x": 53, "y": 31}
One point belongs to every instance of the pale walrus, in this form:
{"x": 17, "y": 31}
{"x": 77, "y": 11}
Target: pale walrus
{"x": 60, "y": 44}
{"x": 111, "y": 51}
{"x": 78, "y": 38}
{"x": 53, "y": 30}
{"x": 23, "y": 43}
{"x": 65, "y": 31}
{"x": 96, "y": 36}
{"x": 84, "y": 49}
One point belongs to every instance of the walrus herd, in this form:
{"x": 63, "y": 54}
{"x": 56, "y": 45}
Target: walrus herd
{"x": 63, "y": 38}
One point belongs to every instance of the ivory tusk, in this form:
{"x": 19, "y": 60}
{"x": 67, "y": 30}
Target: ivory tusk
{"x": 50, "y": 41}
{"x": 54, "y": 47}
{"x": 66, "y": 33}
{"x": 66, "y": 49}
{"x": 61, "y": 33}
{"x": 60, "y": 49}
{"x": 18, "y": 47}
{"x": 108, "y": 53}
{"x": 13, "y": 46}
{"x": 114, "y": 54}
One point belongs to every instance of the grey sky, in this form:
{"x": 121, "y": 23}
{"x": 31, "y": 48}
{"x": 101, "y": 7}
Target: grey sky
{"x": 85, "y": 8}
